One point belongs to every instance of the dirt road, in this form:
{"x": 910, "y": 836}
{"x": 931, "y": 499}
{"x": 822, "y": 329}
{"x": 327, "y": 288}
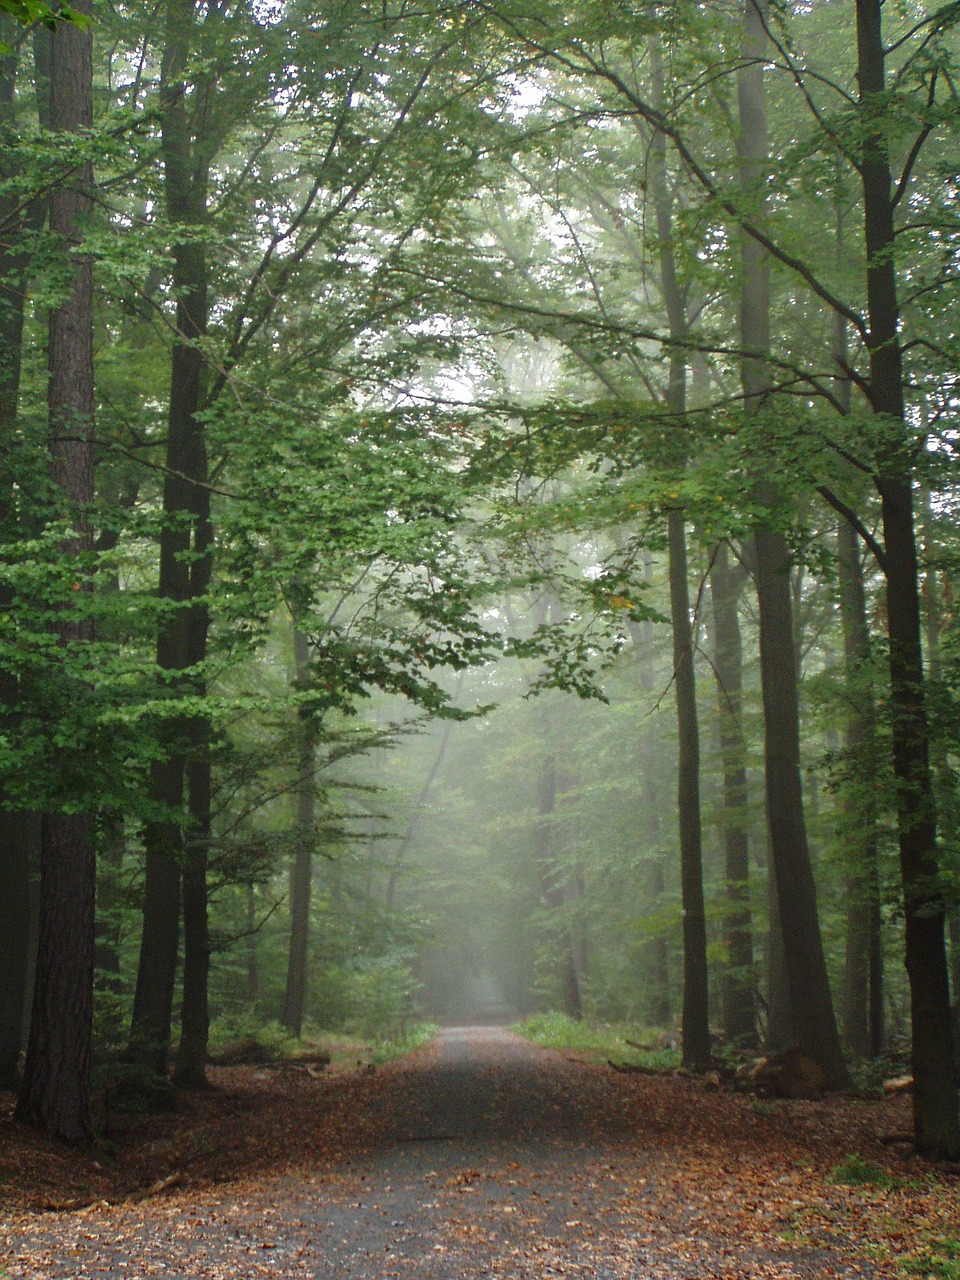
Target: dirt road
{"x": 484, "y": 1156}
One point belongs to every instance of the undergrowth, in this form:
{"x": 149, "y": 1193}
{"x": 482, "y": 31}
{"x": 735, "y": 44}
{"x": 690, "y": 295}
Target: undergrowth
{"x": 854, "y": 1171}
{"x": 403, "y": 1042}
{"x": 939, "y": 1258}
{"x": 630, "y": 1045}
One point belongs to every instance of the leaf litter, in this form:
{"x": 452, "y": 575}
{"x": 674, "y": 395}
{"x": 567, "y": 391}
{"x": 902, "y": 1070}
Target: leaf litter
{"x": 480, "y": 1155}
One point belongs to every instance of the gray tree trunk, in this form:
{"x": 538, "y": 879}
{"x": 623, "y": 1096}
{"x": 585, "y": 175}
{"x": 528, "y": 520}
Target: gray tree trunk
{"x": 863, "y": 968}
{"x": 695, "y": 1017}
{"x": 738, "y": 982}
{"x": 295, "y": 993}
{"x": 811, "y": 1002}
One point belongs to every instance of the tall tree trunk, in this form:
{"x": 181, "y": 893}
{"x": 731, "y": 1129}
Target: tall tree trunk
{"x": 863, "y": 969}
{"x": 190, "y": 1072}
{"x": 56, "y": 1083}
{"x": 696, "y": 1014}
{"x": 738, "y": 982}
{"x": 18, "y": 847}
{"x": 19, "y": 830}
{"x": 936, "y": 1116}
{"x": 695, "y": 1021}
{"x": 656, "y": 972}
{"x": 781, "y": 1029}
{"x": 295, "y": 994}
{"x": 948, "y": 801}
{"x": 185, "y": 533}
{"x": 812, "y": 1006}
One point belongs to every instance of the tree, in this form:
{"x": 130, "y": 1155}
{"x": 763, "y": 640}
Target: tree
{"x": 739, "y": 982}
{"x": 55, "y": 1089}
{"x": 19, "y": 829}
{"x": 811, "y": 1003}
{"x": 696, "y": 1019}
{"x": 295, "y": 994}
{"x": 861, "y": 136}
{"x": 936, "y": 1114}
{"x": 188, "y": 145}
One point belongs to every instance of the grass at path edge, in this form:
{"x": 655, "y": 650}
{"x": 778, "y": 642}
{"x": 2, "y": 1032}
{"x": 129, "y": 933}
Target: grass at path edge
{"x": 599, "y": 1043}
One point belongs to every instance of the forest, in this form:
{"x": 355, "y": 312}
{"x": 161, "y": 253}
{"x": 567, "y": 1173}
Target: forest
{"x": 478, "y": 532}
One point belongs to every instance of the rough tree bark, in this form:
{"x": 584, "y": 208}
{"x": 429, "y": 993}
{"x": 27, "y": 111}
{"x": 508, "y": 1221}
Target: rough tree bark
{"x": 56, "y": 1085}
{"x": 185, "y": 536}
{"x": 19, "y": 829}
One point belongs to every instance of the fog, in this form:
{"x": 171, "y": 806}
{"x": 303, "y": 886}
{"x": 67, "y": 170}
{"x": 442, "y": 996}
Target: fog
{"x": 518, "y": 851}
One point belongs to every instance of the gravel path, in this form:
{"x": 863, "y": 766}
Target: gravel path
{"x": 480, "y": 1156}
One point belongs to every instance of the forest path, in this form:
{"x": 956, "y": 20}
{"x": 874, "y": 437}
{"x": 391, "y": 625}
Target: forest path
{"x": 483, "y": 1156}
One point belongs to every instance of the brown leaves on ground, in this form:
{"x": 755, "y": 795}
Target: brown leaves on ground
{"x": 254, "y": 1120}
{"x": 691, "y": 1180}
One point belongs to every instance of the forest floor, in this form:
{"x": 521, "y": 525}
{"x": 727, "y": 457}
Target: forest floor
{"x": 481, "y": 1155}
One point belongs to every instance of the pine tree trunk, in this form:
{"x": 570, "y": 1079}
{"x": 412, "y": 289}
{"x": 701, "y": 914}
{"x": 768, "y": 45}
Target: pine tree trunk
{"x": 936, "y": 1116}
{"x": 738, "y": 981}
{"x": 56, "y": 1084}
